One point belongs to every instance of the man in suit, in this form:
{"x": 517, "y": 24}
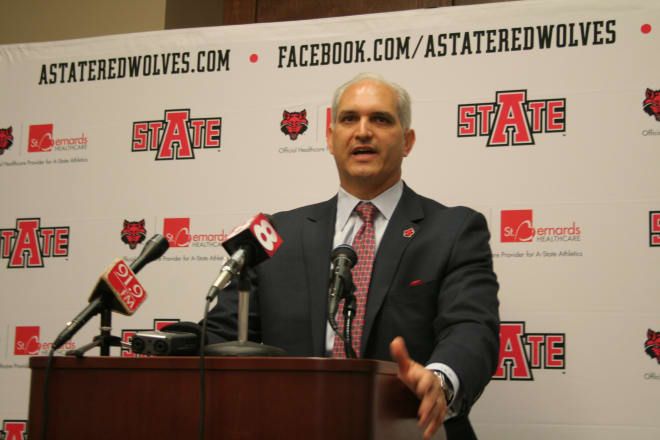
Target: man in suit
{"x": 430, "y": 291}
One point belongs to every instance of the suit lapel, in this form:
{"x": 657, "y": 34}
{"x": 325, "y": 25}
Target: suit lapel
{"x": 407, "y": 214}
{"x": 317, "y": 237}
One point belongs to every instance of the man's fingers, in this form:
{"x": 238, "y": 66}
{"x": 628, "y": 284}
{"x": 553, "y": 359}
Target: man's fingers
{"x": 400, "y": 355}
{"x": 428, "y": 390}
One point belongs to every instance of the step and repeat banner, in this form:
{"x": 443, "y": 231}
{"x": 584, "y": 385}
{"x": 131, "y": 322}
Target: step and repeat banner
{"x": 544, "y": 116}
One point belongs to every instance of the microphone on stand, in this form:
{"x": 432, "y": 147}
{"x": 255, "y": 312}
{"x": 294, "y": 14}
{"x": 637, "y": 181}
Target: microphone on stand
{"x": 247, "y": 245}
{"x": 342, "y": 258}
{"x": 117, "y": 289}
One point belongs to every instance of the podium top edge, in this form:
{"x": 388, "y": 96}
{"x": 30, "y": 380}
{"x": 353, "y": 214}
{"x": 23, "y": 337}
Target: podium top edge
{"x": 294, "y": 364}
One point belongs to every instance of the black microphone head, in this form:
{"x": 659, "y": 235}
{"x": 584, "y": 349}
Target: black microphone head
{"x": 346, "y": 251}
{"x": 152, "y": 250}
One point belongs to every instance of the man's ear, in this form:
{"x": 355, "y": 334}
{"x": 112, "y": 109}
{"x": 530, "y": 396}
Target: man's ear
{"x": 328, "y": 137}
{"x": 409, "y": 141}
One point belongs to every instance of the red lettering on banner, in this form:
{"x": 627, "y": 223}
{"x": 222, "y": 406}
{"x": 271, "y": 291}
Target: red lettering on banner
{"x": 197, "y": 125}
{"x": 510, "y": 117}
{"x": 512, "y": 353}
{"x": 654, "y": 220}
{"x": 140, "y": 136}
{"x": 536, "y": 344}
{"x": 212, "y": 133}
{"x": 47, "y": 234}
{"x": 554, "y": 347}
{"x": 61, "y": 246}
{"x": 14, "y": 430}
{"x": 176, "y": 136}
{"x": 6, "y": 236}
{"x": 27, "y": 252}
{"x": 556, "y": 115}
{"x": 28, "y": 244}
{"x": 522, "y": 352}
{"x": 466, "y": 120}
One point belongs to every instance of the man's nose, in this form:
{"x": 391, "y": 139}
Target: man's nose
{"x": 364, "y": 129}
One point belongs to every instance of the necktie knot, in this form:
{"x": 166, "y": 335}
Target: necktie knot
{"x": 366, "y": 212}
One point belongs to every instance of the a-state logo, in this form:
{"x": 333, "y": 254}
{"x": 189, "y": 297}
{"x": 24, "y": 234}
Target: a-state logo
{"x": 654, "y": 228}
{"x": 127, "y": 334}
{"x": 177, "y": 135}
{"x": 512, "y": 119}
{"x": 294, "y": 124}
{"x": 14, "y": 430}
{"x": 521, "y": 352}
{"x": 6, "y": 139}
{"x": 28, "y": 243}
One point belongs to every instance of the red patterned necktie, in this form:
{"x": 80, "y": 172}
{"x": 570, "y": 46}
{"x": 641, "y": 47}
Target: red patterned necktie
{"x": 364, "y": 244}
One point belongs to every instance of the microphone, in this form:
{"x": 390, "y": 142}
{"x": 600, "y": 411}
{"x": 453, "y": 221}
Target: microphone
{"x": 343, "y": 259}
{"x": 118, "y": 289}
{"x": 248, "y": 245}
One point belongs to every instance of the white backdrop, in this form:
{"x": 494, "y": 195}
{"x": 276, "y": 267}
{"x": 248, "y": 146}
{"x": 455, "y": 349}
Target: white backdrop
{"x": 571, "y": 207}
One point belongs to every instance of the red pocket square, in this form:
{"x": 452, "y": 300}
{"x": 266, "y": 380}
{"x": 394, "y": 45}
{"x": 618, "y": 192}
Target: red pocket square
{"x": 415, "y": 283}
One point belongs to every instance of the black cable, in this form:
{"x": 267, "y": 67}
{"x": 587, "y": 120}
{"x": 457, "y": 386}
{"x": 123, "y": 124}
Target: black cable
{"x": 202, "y": 365}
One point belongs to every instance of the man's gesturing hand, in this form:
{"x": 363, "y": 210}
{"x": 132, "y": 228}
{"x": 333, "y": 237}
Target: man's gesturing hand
{"x": 424, "y": 384}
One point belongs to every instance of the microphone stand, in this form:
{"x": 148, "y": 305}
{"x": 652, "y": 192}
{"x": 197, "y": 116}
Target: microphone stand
{"x": 104, "y": 341}
{"x": 349, "y": 314}
{"x": 243, "y": 347}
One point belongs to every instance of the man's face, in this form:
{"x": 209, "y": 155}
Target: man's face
{"x": 367, "y": 140}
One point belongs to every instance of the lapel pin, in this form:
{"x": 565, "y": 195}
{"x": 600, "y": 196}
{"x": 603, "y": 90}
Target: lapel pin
{"x": 408, "y": 232}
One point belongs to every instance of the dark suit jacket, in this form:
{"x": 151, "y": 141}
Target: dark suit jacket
{"x": 450, "y": 317}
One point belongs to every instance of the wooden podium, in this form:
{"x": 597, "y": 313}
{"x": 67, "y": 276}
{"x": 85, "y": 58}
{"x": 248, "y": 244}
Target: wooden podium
{"x": 246, "y": 398}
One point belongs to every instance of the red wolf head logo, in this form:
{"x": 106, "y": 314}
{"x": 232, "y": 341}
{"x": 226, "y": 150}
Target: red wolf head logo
{"x": 6, "y": 139}
{"x": 133, "y": 233}
{"x": 652, "y": 344}
{"x": 294, "y": 123}
{"x": 652, "y": 103}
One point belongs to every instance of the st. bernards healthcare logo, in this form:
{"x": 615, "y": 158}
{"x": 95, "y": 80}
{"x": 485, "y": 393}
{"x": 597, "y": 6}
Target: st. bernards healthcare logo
{"x": 28, "y": 244}
{"x": 27, "y": 342}
{"x": 654, "y": 228}
{"x": 13, "y": 430}
{"x": 522, "y": 352}
{"x": 512, "y": 119}
{"x": 517, "y": 225}
{"x": 40, "y": 139}
{"x": 177, "y": 135}
{"x": 178, "y": 233}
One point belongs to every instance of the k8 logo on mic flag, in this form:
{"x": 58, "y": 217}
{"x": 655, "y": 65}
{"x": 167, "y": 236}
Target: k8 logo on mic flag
{"x": 177, "y": 135}
{"x": 29, "y": 243}
{"x": 512, "y": 119}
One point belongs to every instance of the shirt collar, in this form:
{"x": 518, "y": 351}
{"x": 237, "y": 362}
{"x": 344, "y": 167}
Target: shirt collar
{"x": 385, "y": 202}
